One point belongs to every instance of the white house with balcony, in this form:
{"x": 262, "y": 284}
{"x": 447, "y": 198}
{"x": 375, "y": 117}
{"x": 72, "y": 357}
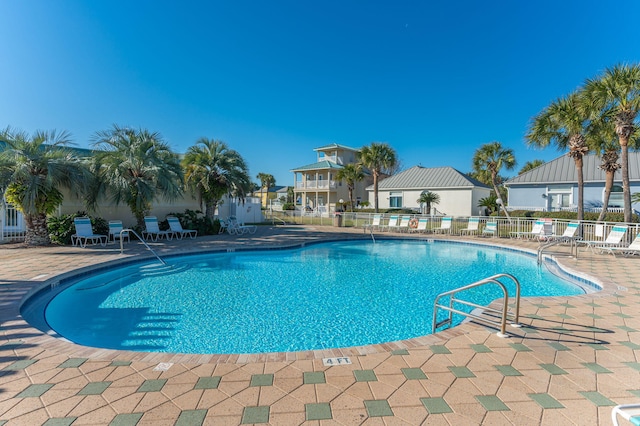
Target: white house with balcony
{"x": 553, "y": 186}
{"x": 459, "y": 193}
{"x": 316, "y": 186}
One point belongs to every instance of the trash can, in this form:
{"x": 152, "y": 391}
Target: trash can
{"x": 337, "y": 220}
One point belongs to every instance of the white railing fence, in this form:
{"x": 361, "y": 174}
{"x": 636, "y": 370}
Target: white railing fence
{"x": 12, "y": 226}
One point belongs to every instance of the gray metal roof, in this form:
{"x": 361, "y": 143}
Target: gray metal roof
{"x": 336, "y": 146}
{"x": 563, "y": 170}
{"x": 419, "y": 177}
{"x": 322, "y": 165}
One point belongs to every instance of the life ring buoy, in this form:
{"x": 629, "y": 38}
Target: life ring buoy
{"x": 413, "y": 223}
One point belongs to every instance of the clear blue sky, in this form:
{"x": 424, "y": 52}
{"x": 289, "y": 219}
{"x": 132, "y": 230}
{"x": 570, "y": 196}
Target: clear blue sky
{"x": 276, "y": 79}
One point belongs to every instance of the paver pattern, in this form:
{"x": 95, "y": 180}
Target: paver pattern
{"x": 573, "y": 359}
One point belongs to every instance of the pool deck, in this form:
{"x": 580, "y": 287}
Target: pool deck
{"x": 573, "y": 359}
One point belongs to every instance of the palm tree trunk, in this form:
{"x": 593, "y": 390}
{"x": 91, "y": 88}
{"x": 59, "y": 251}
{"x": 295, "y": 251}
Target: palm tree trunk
{"x": 37, "y": 233}
{"x": 608, "y": 184}
{"x": 210, "y": 209}
{"x": 626, "y": 190}
{"x": 495, "y": 188}
{"x": 375, "y": 191}
{"x": 579, "y": 164}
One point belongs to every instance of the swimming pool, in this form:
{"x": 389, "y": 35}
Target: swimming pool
{"x": 316, "y": 297}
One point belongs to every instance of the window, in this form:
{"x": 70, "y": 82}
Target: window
{"x": 559, "y": 197}
{"x": 616, "y": 198}
{"x": 395, "y": 199}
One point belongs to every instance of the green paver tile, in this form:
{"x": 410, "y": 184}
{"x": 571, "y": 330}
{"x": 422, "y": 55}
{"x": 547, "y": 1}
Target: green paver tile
{"x": 564, "y": 316}
{"x": 618, "y": 304}
{"x": 12, "y": 344}
{"x": 553, "y": 369}
{"x": 191, "y": 418}
{"x": 597, "y": 346}
{"x": 400, "y": 352}
{"x": 492, "y": 403}
{"x": 154, "y": 385}
{"x": 439, "y": 349}
{"x": 255, "y": 415}
{"x": 598, "y": 399}
{"x": 19, "y": 365}
{"x": 566, "y": 305}
{"x": 207, "y": 382}
{"x": 60, "y": 421}
{"x": 365, "y": 376}
{"x": 313, "y": 378}
{"x": 73, "y": 363}
{"x": 507, "y": 370}
{"x": 528, "y": 330}
{"x": 34, "y": 391}
{"x": 261, "y": 380}
{"x": 3, "y": 422}
{"x": 634, "y": 392}
{"x": 621, "y": 315}
{"x": 561, "y": 330}
{"x": 594, "y": 316}
{"x": 520, "y": 347}
{"x": 461, "y": 372}
{"x": 481, "y": 349}
{"x": 131, "y": 419}
{"x": 634, "y": 365}
{"x": 413, "y": 373}
{"x": 594, "y": 304}
{"x": 540, "y": 305}
{"x": 558, "y": 346}
{"x": 320, "y": 411}
{"x": 596, "y": 368}
{"x": 120, "y": 363}
{"x": 94, "y": 388}
{"x": 436, "y": 405}
{"x": 534, "y": 316}
{"x": 378, "y": 408}
{"x": 631, "y": 345}
{"x": 545, "y": 400}
{"x": 627, "y": 329}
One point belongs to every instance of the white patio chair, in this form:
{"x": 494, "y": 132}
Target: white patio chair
{"x": 84, "y": 233}
{"x": 629, "y": 412}
{"x": 152, "y": 230}
{"x": 613, "y": 239}
{"x": 472, "y": 226}
{"x": 375, "y": 223}
{"x": 490, "y": 228}
{"x": 422, "y": 225}
{"x": 445, "y": 226}
{"x": 115, "y": 229}
{"x": 179, "y": 232}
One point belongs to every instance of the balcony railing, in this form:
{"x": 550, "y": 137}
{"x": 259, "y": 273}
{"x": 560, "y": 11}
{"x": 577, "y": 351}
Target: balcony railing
{"x": 317, "y": 184}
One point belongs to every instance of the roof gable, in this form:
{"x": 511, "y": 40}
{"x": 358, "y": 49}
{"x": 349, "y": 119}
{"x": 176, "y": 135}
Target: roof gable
{"x": 321, "y": 165}
{"x": 336, "y": 146}
{"x": 419, "y": 177}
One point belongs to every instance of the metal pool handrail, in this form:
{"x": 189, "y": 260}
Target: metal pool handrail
{"x": 143, "y": 242}
{"x": 505, "y": 306}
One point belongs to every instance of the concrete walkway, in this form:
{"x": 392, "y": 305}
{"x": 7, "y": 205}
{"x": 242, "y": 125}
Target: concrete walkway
{"x": 573, "y": 360}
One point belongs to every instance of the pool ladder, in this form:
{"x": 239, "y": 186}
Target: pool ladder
{"x": 143, "y": 242}
{"x": 502, "y": 324}
{"x": 573, "y": 246}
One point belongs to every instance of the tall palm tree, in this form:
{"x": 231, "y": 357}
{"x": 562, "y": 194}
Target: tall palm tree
{"x": 492, "y": 157}
{"x": 617, "y": 92}
{"x": 530, "y": 165}
{"x": 213, "y": 170}
{"x": 378, "y": 157}
{"x": 266, "y": 181}
{"x": 135, "y": 167}
{"x": 34, "y": 169}
{"x": 564, "y": 123}
{"x": 351, "y": 173}
{"x": 428, "y": 198}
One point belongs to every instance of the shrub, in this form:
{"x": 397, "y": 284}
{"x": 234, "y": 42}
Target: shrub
{"x": 61, "y": 228}
{"x": 195, "y": 219}
{"x": 608, "y": 217}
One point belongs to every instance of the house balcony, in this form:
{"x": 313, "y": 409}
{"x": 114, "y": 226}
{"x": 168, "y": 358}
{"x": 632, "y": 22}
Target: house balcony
{"x": 321, "y": 185}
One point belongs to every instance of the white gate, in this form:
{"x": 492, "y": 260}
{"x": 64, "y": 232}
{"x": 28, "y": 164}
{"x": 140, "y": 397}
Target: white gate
{"x": 12, "y": 226}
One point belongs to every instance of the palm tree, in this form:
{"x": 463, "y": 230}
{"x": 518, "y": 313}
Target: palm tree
{"x": 490, "y": 202}
{"x": 34, "y": 169}
{"x": 617, "y": 92}
{"x": 530, "y": 165}
{"x": 492, "y": 157}
{"x": 213, "y": 170}
{"x": 135, "y": 167}
{"x": 351, "y": 173}
{"x": 428, "y": 198}
{"x": 266, "y": 181}
{"x": 378, "y": 158}
{"x": 563, "y": 123}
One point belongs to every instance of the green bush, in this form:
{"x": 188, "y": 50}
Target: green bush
{"x": 61, "y": 228}
{"x": 195, "y": 219}
{"x": 608, "y": 217}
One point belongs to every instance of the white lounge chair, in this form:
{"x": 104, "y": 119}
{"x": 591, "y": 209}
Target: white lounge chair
{"x": 630, "y": 250}
{"x": 178, "y": 231}
{"x": 375, "y": 223}
{"x": 542, "y": 229}
{"x": 84, "y": 233}
{"x": 115, "y": 231}
{"x": 152, "y": 230}
{"x": 393, "y": 222}
{"x": 422, "y": 225}
{"x": 613, "y": 239}
{"x": 629, "y": 412}
{"x": 490, "y": 228}
{"x": 569, "y": 232}
{"x": 233, "y": 227}
{"x": 472, "y": 226}
{"x": 445, "y": 225}
{"x": 404, "y": 223}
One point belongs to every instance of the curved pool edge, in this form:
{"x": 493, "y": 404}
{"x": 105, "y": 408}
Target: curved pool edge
{"x": 50, "y": 341}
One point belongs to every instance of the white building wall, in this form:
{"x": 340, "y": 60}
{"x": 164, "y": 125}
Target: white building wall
{"x": 453, "y": 202}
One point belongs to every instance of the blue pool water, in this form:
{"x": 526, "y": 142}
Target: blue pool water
{"x": 320, "y": 296}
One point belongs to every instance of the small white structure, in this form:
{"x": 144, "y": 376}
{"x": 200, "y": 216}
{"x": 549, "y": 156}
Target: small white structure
{"x": 459, "y": 193}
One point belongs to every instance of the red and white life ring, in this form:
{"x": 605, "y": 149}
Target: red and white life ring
{"x": 413, "y": 223}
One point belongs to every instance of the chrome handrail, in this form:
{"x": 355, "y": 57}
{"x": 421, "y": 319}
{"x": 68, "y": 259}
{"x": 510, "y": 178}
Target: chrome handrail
{"x": 505, "y": 306}
{"x": 143, "y": 242}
